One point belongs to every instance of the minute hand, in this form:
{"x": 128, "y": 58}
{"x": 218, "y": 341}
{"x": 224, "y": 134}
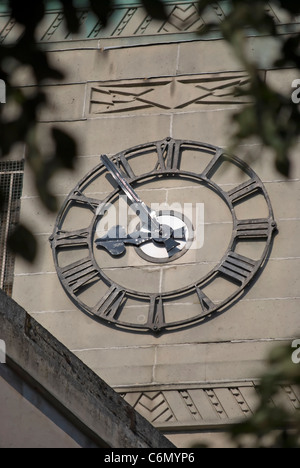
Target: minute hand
{"x": 145, "y": 211}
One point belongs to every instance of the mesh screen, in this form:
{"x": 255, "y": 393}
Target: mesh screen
{"x": 11, "y": 184}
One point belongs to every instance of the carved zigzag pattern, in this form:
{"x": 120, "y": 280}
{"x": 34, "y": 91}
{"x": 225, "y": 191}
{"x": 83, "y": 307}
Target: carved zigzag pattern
{"x": 153, "y": 406}
{"x": 128, "y": 21}
{"x": 205, "y": 405}
{"x": 183, "y": 18}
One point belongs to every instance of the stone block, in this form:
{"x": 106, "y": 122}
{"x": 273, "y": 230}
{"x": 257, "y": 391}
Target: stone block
{"x": 211, "y": 362}
{"x": 280, "y": 279}
{"x": 188, "y": 361}
{"x": 121, "y": 366}
{"x": 247, "y": 319}
{"x": 262, "y": 161}
{"x": 116, "y": 64}
{"x": 237, "y": 360}
{"x": 65, "y": 180}
{"x": 255, "y": 207}
{"x": 263, "y": 50}
{"x": 64, "y": 102}
{"x": 286, "y": 243}
{"x": 94, "y": 137}
{"x": 281, "y": 80}
{"x": 215, "y": 209}
{"x": 209, "y": 127}
{"x": 216, "y": 238}
{"x": 206, "y": 57}
{"x": 76, "y": 65}
{"x": 130, "y": 131}
{"x": 42, "y": 263}
{"x": 75, "y": 129}
{"x": 78, "y": 331}
{"x": 285, "y": 198}
{"x": 41, "y": 292}
{"x": 37, "y": 217}
{"x": 135, "y": 62}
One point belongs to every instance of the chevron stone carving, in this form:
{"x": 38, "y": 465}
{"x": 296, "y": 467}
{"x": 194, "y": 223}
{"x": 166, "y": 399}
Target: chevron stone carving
{"x": 153, "y": 406}
{"x": 184, "y": 17}
{"x": 174, "y": 93}
{"x": 204, "y": 406}
{"x": 128, "y": 20}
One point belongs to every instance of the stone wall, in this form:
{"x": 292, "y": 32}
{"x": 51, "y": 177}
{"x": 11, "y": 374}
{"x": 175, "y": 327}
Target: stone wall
{"x": 200, "y": 377}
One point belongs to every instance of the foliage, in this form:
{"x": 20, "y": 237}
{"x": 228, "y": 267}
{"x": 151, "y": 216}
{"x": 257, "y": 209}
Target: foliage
{"x": 273, "y": 426}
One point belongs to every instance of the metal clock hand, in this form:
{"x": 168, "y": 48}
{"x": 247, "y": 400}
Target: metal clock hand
{"x": 145, "y": 212}
{"x": 116, "y": 239}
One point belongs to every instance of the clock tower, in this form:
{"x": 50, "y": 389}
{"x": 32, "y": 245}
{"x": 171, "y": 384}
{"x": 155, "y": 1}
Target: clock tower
{"x": 173, "y": 267}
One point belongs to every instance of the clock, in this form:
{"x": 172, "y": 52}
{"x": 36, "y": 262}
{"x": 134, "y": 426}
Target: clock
{"x": 163, "y": 235}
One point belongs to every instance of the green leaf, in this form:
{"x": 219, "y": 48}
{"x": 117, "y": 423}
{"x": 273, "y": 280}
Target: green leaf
{"x": 23, "y": 242}
{"x": 27, "y": 52}
{"x": 156, "y": 9}
{"x": 102, "y": 8}
{"x": 293, "y": 6}
{"x": 71, "y": 17}
{"x": 65, "y": 148}
{"x": 290, "y": 52}
{"x": 283, "y": 166}
{"x": 27, "y": 12}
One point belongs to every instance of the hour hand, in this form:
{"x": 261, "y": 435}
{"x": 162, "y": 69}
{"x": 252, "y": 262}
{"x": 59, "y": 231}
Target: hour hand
{"x": 116, "y": 239}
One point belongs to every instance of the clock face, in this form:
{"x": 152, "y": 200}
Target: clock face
{"x": 163, "y": 235}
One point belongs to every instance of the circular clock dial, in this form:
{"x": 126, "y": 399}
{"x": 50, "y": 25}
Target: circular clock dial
{"x": 162, "y": 235}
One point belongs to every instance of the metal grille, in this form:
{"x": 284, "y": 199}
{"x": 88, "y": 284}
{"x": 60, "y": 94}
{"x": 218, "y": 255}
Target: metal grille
{"x": 11, "y": 184}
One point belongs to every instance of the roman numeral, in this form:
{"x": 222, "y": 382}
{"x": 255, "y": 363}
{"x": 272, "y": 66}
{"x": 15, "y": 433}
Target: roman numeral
{"x": 237, "y": 268}
{"x": 110, "y": 304}
{"x": 244, "y": 190}
{"x": 71, "y": 238}
{"x": 253, "y": 228}
{"x": 78, "y": 274}
{"x": 169, "y": 155}
{"x": 81, "y": 199}
{"x": 206, "y": 304}
{"x": 213, "y": 165}
{"x": 156, "y": 317}
{"x": 124, "y": 165}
